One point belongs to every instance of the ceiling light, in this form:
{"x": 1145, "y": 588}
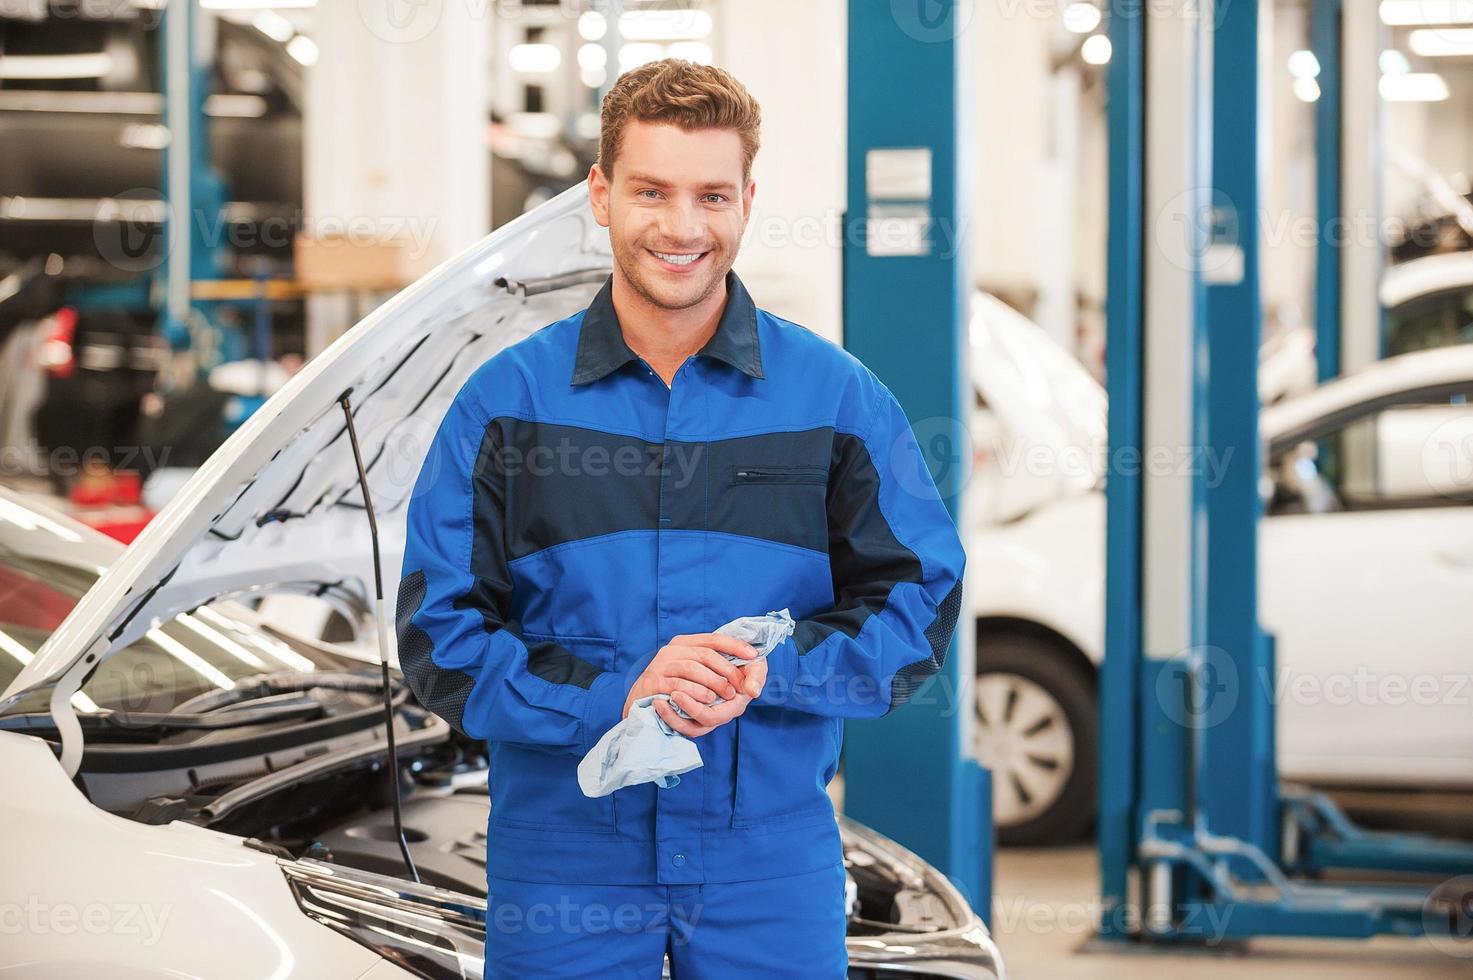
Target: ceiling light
{"x": 302, "y": 48}
{"x": 534, "y": 59}
{"x": 1393, "y": 62}
{"x": 55, "y": 66}
{"x": 1303, "y": 64}
{"x": 1420, "y": 13}
{"x": 1081, "y": 18}
{"x": 1414, "y": 87}
{"x": 1443, "y": 43}
{"x": 1096, "y": 50}
{"x": 591, "y": 26}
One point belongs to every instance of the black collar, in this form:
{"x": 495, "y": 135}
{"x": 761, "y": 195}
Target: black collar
{"x": 601, "y": 346}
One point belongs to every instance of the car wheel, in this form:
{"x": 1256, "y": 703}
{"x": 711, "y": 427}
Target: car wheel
{"x": 1036, "y": 730}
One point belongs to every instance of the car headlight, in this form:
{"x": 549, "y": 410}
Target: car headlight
{"x": 431, "y": 932}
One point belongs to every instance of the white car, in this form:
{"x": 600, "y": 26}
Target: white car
{"x": 1428, "y": 302}
{"x": 192, "y": 792}
{"x": 1366, "y": 562}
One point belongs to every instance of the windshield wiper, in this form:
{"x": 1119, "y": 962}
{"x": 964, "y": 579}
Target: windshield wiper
{"x": 110, "y": 721}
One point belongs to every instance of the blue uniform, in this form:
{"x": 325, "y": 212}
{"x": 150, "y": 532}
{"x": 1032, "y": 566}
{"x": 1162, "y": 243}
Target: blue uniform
{"x": 574, "y": 513}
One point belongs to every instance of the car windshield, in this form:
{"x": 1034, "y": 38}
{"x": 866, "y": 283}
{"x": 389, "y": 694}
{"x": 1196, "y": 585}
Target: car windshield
{"x": 207, "y": 650}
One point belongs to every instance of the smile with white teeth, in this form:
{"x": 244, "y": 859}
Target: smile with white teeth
{"x": 678, "y": 259}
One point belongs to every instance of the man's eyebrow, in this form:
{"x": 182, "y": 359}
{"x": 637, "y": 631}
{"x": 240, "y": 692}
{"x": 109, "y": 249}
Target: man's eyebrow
{"x": 638, "y": 178}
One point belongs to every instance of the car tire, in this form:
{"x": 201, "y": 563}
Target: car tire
{"x": 1037, "y": 728}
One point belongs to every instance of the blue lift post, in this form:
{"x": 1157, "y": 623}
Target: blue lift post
{"x": 905, "y": 279}
{"x": 1191, "y": 822}
{"x": 1238, "y": 749}
{"x": 1325, "y": 40}
{"x": 192, "y": 188}
{"x": 1120, "y": 672}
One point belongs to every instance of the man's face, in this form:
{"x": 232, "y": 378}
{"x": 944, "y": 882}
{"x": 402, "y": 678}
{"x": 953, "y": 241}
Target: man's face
{"x": 675, "y": 209}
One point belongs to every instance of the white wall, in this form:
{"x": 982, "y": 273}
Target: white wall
{"x": 791, "y": 57}
{"x": 396, "y": 127}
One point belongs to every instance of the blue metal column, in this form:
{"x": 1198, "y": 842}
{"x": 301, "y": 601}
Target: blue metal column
{"x": 1325, "y": 42}
{"x": 1238, "y": 767}
{"x": 905, "y": 303}
{"x": 1120, "y": 673}
{"x": 197, "y": 249}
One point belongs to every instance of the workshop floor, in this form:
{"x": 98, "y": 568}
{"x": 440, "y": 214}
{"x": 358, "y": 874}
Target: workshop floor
{"x": 1045, "y": 903}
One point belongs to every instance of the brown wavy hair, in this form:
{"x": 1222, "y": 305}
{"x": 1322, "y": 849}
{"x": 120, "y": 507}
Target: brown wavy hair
{"x": 685, "y": 94}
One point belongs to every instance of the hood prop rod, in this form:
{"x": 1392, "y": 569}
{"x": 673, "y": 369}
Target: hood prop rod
{"x": 382, "y": 624}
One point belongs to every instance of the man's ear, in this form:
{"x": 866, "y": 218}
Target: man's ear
{"x": 598, "y": 194}
{"x": 747, "y": 194}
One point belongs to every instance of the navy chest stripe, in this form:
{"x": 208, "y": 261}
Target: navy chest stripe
{"x": 541, "y": 484}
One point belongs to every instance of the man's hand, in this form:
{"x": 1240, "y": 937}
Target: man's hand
{"x": 691, "y": 668}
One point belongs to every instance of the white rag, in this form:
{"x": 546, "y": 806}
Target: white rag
{"x": 642, "y": 748}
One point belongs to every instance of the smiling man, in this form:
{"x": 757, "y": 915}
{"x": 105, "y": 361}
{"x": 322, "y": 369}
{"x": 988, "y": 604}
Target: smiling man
{"x": 714, "y": 461}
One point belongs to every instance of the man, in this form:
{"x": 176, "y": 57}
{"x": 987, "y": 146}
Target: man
{"x": 603, "y": 495}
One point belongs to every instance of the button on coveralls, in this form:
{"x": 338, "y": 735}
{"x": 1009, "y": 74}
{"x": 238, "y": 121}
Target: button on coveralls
{"x": 572, "y": 515}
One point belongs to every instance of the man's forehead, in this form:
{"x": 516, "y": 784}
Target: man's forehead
{"x": 662, "y": 153}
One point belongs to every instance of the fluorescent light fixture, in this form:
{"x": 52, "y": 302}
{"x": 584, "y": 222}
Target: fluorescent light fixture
{"x": 592, "y": 56}
{"x": 303, "y": 48}
{"x": 1447, "y": 42}
{"x": 634, "y": 55}
{"x": 698, "y": 52}
{"x": 256, "y": 4}
{"x": 1306, "y": 89}
{"x": 55, "y": 66}
{"x": 223, "y": 104}
{"x": 1421, "y": 13}
{"x": 1393, "y": 62}
{"x": 664, "y": 25}
{"x": 1081, "y": 18}
{"x": 1414, "y": 87}
{"x": 274, "y": 26}
{"x": 534, "y": 59}
{"x": 1096, "y": 50}
{"x": 592, "y": 26}
{"x": 1303, "y": 64}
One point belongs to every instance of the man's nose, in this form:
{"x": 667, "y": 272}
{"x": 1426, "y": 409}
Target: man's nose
{"x": 681, "y": 224}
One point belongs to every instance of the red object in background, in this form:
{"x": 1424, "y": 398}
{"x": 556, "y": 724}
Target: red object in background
{"x": 109, "y": 501}
{"x": 103, "y": 487}
{"x": 57, "y": 353}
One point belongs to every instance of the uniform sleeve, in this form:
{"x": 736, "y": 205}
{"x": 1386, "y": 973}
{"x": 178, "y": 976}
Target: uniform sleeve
{"x": 459, "y": 653}
{"x": 897, "y": 564}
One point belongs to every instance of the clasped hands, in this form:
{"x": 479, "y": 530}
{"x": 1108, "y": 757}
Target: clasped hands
{"x": 693, "y": 670}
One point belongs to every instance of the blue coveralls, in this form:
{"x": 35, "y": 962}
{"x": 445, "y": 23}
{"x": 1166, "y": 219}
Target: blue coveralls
{"x": 572, "y": 515}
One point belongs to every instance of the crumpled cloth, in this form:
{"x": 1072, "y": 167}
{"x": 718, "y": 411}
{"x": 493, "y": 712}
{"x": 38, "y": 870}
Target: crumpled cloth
{"x": 642, "y": 748}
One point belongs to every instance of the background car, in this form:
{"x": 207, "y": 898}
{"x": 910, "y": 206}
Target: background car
{"x": 1373, "y": 463}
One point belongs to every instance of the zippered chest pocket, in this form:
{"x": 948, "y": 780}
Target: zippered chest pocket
{"x": 745, "y": 473}
{"x": 781, "y": 502}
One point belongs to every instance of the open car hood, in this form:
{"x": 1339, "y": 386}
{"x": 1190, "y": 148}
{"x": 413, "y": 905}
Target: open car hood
{"x": 278, "y": 507}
